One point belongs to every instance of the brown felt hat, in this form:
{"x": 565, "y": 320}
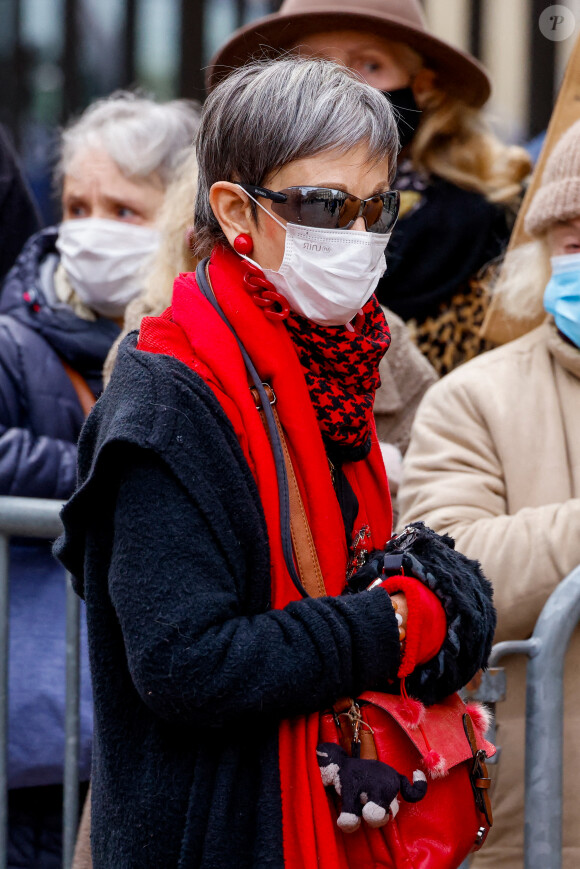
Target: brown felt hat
{"x": 397, "y": 20}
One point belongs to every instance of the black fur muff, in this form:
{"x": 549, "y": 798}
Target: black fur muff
{"x": 466, "y": 596}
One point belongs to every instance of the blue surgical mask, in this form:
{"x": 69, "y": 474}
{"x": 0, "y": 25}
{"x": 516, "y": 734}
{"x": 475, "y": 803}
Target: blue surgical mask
{"x": 562, "y": 295}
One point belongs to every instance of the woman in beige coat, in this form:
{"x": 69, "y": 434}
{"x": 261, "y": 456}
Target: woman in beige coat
{"x": 494, "y": 461}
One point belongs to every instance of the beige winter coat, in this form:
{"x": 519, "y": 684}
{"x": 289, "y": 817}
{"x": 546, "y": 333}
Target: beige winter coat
{"x": 494, "y": 460}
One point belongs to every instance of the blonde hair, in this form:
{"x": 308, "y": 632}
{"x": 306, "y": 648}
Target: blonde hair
{"x": 173, "y": 255}
{"x": 455, "y": 142}
{"x": 520, "y": 286}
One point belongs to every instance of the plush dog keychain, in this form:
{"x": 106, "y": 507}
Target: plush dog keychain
{"x": 367, "y": 788}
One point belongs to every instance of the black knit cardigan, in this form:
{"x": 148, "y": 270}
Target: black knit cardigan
{"x": 192, "y": 671}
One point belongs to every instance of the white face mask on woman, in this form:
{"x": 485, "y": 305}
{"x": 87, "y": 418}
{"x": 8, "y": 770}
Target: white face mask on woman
{"x": 327, "y": 275}
{"x": 104, "y": 261}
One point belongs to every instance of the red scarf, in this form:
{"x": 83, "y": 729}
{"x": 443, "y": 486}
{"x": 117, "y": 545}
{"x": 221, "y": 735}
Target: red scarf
{"x": 193, "y": 332}
{"x": 341, "y": 368}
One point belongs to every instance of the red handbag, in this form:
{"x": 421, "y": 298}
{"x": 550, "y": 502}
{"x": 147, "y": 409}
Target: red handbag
{"x": 445, "y": 741}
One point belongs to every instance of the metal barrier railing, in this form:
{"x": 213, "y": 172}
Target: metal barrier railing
{"x": 34, "y": 517}
{"x": 546, "y": 650}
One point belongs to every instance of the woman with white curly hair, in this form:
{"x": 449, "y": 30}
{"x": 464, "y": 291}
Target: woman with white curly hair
{"x": 61, "y": 307}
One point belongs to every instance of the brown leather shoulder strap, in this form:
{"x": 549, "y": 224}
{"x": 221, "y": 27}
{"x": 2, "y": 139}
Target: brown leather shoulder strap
{"x": 307, "y": 562}
{"x": 302, "y": 560}
{"x": 81, "y": 387}
{"x": 480, "y": 783}
{"x": 346, "y": 711}
{"x": 302, "y": 541}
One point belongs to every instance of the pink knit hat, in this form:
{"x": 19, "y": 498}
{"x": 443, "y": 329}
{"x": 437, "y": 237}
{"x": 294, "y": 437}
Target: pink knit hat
{"x": 558, "y": 197}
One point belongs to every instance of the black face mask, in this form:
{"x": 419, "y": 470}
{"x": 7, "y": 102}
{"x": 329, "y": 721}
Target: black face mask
{"x": 407, "y": 112}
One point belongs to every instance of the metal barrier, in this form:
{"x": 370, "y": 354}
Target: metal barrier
{"x": 34, "y": 517}
{"x": 546, "y": 650}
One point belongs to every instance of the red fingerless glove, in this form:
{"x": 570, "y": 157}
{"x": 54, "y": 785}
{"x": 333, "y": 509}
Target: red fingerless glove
{"x": 426, "y": 622}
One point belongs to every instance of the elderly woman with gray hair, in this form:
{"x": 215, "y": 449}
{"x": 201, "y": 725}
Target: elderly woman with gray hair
{"x": 61, "y": 307}
{"x": 217, "y": 624}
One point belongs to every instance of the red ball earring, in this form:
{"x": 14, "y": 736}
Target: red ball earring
{"x": 243, "y": 244}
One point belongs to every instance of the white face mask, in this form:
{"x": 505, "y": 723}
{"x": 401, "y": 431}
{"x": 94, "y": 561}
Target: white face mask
{"x": 327, "y": 275}
{"x": 104, "y": 261}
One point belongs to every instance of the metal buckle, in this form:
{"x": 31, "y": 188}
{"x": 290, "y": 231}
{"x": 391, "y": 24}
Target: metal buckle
{"x": 403, "y": 540}
{"x": 479, "y": 837}
{"x": 478, "y": 758}
{"x": 270, "y": 394}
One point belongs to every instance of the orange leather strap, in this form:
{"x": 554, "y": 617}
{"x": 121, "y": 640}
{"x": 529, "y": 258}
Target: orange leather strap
{"x": 305, "y": 555}
{"x": 350, "y": 725}
{"x": 81, "y": 387}
{"x": 480, "y": 782}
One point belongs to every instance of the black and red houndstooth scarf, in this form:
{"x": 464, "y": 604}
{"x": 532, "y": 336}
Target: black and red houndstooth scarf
{"x": 342, "y": 372}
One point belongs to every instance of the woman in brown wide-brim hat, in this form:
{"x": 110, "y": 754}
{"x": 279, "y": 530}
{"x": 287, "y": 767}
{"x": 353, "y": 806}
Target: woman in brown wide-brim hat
{"x": 460, "y": 185}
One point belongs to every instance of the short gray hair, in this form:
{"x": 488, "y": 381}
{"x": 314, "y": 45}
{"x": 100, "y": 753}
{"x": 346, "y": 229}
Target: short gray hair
{"x": 140, "y": 135}
{"x": 268, "y": 113}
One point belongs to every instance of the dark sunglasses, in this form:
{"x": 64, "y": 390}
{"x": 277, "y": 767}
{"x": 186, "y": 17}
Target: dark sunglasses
{"x": 325, "y": 208}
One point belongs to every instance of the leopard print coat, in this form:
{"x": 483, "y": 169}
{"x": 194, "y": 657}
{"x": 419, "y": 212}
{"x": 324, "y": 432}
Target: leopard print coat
{"x": 453, "y": 335}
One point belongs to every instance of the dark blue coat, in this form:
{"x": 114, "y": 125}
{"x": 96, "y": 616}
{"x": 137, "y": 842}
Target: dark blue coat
{"x": 40, "y": 421}
{"x": 19, "y": 216}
